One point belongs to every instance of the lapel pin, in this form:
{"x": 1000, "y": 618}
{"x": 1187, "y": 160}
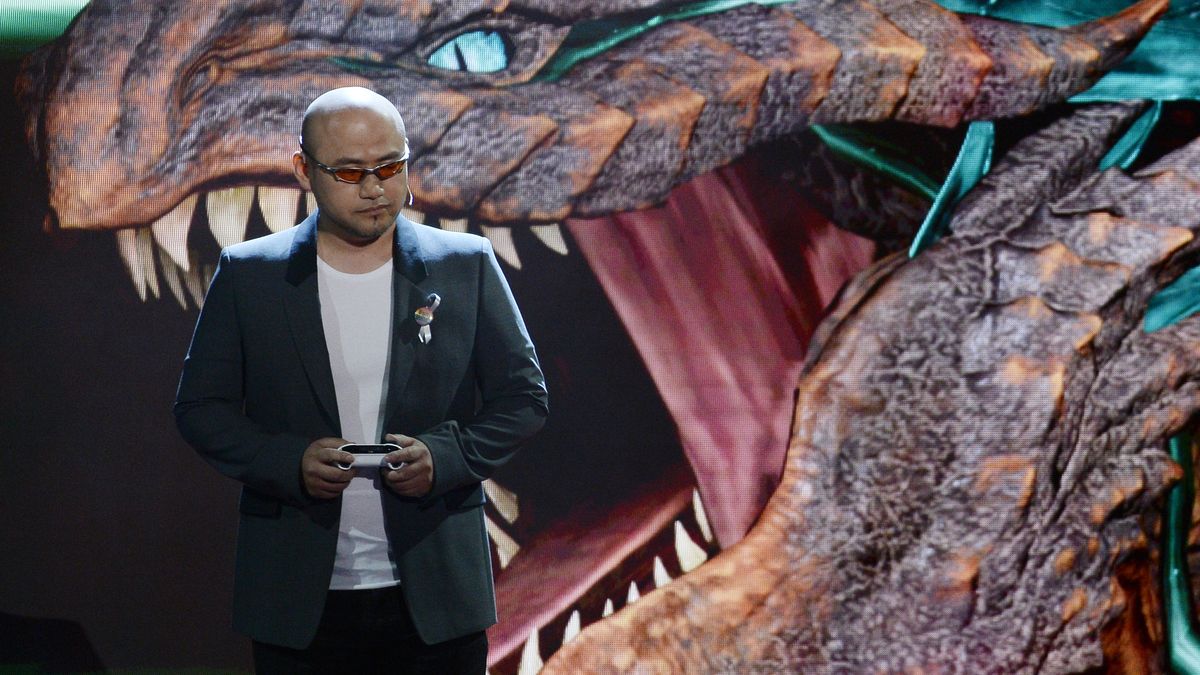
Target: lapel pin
{"x": 424, "y": 317}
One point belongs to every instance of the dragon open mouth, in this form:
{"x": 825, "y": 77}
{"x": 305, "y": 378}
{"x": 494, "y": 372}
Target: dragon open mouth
{"x": 662, "y": 448}
{"x": 629, "y": 200}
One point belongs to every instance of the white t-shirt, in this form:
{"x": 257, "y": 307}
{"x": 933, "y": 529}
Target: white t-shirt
{"x": 356, "y": 313}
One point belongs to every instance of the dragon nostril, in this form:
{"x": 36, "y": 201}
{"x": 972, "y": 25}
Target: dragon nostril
{"x": 474, "y": 52}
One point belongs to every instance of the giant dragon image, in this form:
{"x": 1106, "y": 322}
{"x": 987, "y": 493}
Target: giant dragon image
{"x": 954, "y": 461}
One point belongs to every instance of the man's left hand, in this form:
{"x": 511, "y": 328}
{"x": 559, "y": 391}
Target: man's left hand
{"x": 415, "y": 478}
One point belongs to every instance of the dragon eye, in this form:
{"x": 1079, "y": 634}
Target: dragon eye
{"x": 474, "y": 52}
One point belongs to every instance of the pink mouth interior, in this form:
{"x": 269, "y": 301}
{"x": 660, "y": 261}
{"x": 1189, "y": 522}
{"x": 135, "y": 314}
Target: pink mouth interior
{"x": 720, "y": 290}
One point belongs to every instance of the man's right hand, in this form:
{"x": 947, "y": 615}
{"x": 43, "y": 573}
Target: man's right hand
{"x": 323, "y": 478}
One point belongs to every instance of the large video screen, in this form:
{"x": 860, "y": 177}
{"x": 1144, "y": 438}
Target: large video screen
{"x": 844, "y": 310}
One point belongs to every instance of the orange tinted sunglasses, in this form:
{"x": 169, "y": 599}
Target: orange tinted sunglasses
{"x": 353, "y": 174}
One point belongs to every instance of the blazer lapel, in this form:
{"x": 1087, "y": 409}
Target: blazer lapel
{"x": 409, "y": 271}
{"x": 302, "y": 304}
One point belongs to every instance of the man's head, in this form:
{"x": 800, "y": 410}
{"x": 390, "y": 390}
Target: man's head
{"x": 353, "y": 127}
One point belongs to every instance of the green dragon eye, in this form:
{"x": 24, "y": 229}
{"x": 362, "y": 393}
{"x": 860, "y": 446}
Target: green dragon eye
{"x": 474, "y": 52}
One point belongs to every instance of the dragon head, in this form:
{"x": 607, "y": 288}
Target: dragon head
{"x": 644, "y": 135}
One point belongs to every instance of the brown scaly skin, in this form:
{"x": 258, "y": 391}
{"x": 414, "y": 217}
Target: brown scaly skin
{"x": 977, "y": 449}
{"x": 190, "y": 97}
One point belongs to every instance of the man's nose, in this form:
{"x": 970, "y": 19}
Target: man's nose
{"x": 370, "y": 187}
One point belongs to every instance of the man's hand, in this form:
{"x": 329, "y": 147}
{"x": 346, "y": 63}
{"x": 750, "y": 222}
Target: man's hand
{"x": 415, "y": 478}
{"x": 323, "y": 478}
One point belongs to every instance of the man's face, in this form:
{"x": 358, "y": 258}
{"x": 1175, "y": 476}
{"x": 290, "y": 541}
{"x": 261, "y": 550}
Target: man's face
{"x": 356, "y": 137}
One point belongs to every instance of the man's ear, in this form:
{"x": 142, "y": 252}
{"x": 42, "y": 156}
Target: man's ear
{"x": 300, "y": 170}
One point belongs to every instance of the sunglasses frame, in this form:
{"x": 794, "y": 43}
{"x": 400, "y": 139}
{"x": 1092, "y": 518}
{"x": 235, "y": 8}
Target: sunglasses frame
{"x": 333, "y": 170}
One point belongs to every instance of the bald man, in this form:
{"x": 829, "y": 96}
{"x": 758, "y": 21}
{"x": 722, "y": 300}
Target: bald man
{"x": 359, "y": 326}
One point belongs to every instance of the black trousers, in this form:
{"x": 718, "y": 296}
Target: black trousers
{"x": 372, "y": 632}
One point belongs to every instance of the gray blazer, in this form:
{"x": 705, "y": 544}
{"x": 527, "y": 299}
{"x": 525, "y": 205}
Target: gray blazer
{"x": 257, "y": 389}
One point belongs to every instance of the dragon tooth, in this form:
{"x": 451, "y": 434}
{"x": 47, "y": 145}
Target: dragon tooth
{"x": 145, "y": 247}
{"x": 413, "y": 215}
{"x": 531, "y": 657}
{"x": 633, "y": 595}
{"x": 172, "y": 275}
{"x": 551, "y": 236}
{"x": 506, "y": 546}
{"x": 279, "y": 207}
{"x": 454, "y": 224}
{"x": 689, "y": 552}
{"x": 504, "y": 500}
{"x": 701, "y": 517}
{"x": 661, "y": 576}
{"x": 572, "y": 628}
{"x": 310, "y": 202}
{"x": 229, "y": 214}
{"x": 502, "y": 242}
{"x": 194, "y": 280}
{"x": 171, "y": 231}
{"x": 127, "y": 247}
{"x": 608, "y": 608}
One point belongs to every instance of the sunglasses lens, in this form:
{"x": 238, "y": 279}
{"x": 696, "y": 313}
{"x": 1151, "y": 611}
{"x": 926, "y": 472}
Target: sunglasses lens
{"x": 350, "y": 175}
{"x": 388, "y": 170}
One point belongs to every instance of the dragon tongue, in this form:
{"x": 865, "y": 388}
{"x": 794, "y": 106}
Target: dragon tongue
{"x": 721, "y": 289}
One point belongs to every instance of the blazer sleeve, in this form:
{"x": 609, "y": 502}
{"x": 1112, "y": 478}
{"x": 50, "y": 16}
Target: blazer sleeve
{"x": 209, "y": 403}
{"x": 514, "y": 401}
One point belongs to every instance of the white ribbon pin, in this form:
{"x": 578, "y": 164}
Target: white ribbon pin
{"x": 424, "y": 317}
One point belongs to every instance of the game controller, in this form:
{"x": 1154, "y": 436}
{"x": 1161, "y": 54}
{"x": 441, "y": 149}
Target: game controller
{"x": 369, "y": 455}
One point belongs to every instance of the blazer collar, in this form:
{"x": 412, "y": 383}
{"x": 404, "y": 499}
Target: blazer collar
{"x": 303, "y": 309}
{"x": 407, "y": 257}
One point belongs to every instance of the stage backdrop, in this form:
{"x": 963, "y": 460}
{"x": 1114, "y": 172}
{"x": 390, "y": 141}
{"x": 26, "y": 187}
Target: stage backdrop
{"x": 649, "y": 178}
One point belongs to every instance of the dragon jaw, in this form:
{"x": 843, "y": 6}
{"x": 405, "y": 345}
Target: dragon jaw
{"x": 498, "y": 151}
